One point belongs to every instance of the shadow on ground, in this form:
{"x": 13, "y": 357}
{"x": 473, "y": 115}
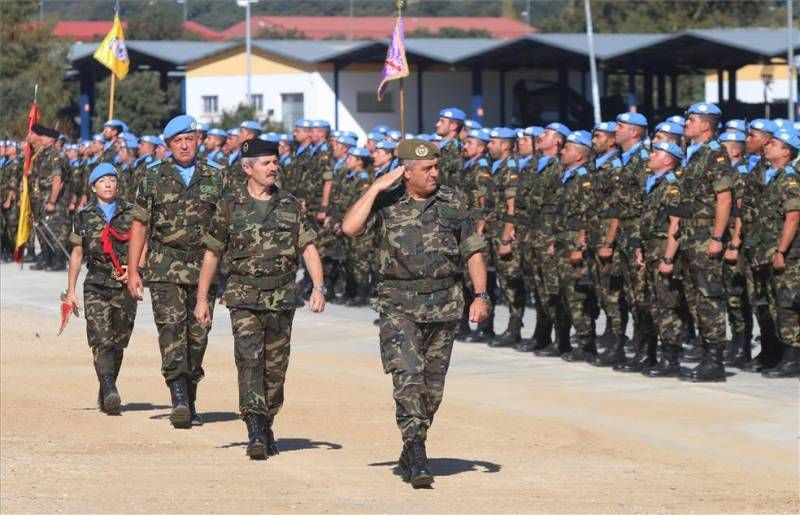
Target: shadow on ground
{"x": 144, "y": 406}
{"x": 447, "y": 466}
{"x": 208, "y": 417}
{"x": 292, "y": 444}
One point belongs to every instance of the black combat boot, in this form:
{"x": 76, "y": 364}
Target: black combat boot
{"x": 111, "y": 399}
{"x": 529, "y": 344}
{"x": 361, "y": 297}
{"x": 670, "y": 363}
{"x": 463, "y": 329}
{"x": 510, "y": 336}
{"x": 272, "y": 442}
{"x": 543, "y": 338}
{"x": 42, "y": 260}
{"x": 771, "y": 350}
{"x": 558, "y": 346}
{"x": 583, "y": 351}
{"x": 257, "y": 436}
{"x": 181, "y": 415}
{"x": 693, "y": 350}
{"x": 737, "y": 353}
{"x": 197, "y": 420}
{"x": 404, "y": 462}
{"x": 644, "y": 358}
{"x": 710, "y": 370}
{"x": 614, "y": 354}
{"x": 789, "y": 365}
{"x": 420, "y": 475}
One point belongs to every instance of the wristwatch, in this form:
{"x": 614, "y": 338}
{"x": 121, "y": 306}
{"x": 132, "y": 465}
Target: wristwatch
{"x": 505, "y": 242}
{"x": 781, "y": 252}
{"x": 731, "y": 246}
{"x": 716, "y": 238}
{"x": 483, "y": 296}
{"x": 322, "y": 289}
{"x": 667, "y": 260}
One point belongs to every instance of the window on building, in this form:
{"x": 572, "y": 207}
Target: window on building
{"x": 258, "y": 102}
{"x": 367, "y": 102}
{"x": 211, "y": 104}
{"x": 291, "y": 109}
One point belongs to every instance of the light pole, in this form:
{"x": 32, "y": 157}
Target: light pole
{"x": 592, "y": 64}
{"x": 790, "y": 59}
{"x": 766, "y": 78}
{"x": 185, "y": 4}
{"x": 248, "y": 47}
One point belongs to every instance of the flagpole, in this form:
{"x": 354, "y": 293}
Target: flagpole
{"x": 111, "y": 96}
{"x": 402, "y": 83}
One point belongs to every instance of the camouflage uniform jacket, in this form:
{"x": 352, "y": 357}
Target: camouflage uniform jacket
{"x": 605, "y": 174}
{"x": 422, "y": 246}
{"x": 706, "y": 173}
{"x": 178, "y": 217}
{"x": 542, "y": 201}
{"x": 751, "y": 187}
{"x": 10, "y": 176}
{"x": 626, "y": 200}
{"x": 48, "y": 165}
{"x": 782, "y": 196}
{"x": 527, "y": 171}
{"x": 297, "y": 170}
{"x": 319, "y": 171}
{"x": 109, "y": 154}
{"x": 573, "y": 208}
{"x": 87, "y": 231}
{"x": 451, "y": 164}
{"x": 260, "y": 248}
{"x": 505, "y": 179}
{"x": 658, "y": 205}
{"x": 477, "y": 184}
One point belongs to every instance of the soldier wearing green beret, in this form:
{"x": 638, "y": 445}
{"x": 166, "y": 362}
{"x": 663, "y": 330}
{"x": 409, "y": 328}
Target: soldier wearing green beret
{"x": 424, "y": 238}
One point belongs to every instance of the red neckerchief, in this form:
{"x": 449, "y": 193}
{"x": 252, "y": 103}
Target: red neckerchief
{"x": 108, "y": 247}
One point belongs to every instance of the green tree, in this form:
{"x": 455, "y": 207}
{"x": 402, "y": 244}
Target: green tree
{"x": 449, "y": 32}
{"x": 155, "y": 24}
{"x": 235, "y": 117}
{"x": 139, "y": 101}
{"x": 30, "y": 56}
{"x": 280, "y": 33}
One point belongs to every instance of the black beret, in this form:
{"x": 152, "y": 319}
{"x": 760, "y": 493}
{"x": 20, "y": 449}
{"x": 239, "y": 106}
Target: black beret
{"x": 258, "y": 148}
{"x": 41, "y": 130}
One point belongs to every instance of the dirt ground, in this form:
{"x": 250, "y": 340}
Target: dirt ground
{"x": 516, "y": 434}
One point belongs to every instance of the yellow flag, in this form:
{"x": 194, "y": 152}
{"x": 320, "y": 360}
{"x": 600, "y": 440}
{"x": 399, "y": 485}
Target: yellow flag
{"x": 112, "y": 52}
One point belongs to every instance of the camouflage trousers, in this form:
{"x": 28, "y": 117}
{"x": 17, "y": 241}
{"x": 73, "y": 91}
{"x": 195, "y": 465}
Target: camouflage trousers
{"x": 607, "y": 277}
{"x": 357, "y": 264}
{"x": 545, "y": 275}
{"x": 110, "y": 313}
{"x": 181, "y": 339}
{"x": 261, "y": 351}
{"x": 577, "y": 298}
{"x": 785, "y": 287}
{"x": 703, "y": 284}
{"x": 665, "y": 296}
{"x": 509, "y": 272}
{"x": 633, "y": 285}
{"x": 758, "y": 280}
{"x": 418, "y": 356}
{"x": 740, "y": 314}
{"x": 11, "y": 222}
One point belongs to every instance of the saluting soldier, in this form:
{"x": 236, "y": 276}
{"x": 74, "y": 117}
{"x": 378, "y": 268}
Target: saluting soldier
{"x": 261, "y": 231}
{"x": 425, "y": 237}
{"x": 174, "y": 205}
{"x": 99, "y": 235}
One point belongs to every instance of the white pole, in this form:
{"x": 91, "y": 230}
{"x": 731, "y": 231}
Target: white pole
{"x": 790, "y": 60}
{"x": 248, "y": 98}
{"x": 592, "y": 63}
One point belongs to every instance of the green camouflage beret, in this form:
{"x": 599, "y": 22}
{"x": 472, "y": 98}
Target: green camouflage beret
{"x": 417, "y": 149}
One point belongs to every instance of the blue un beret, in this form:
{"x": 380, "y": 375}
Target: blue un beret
{"x": 481, "y": 134}
{"x": 395, "y": 135}
{"x": 251, "y": 125}
{"x": 704, "y": 108}
{"x": 559, "y": 128}
{"x": 736, "y": 125}
{"x": 99, "y": 137}
{"x": 269, "y": 136}
{"x": 180, "y": 125}
{"x": 533, "y": 130}
{"x": 763, "y": 125}
{"x": 117, "y": 124}
{"x": 605, "y": 127}
{"x": 632, "y": 118}
{"x": 129, "y": 140}
{"x": 670, "y": 148}
{"x": 347, "y": 140}
{"x": 102, "y": 170}
{"x": 389, "y": 146}
{"x": 788, "y": 137}
{"x": 358, "y": 152}
{"x": 381, "y": 129}
{"x": 732, "y": 136}
{"x": 472, "y": 124}
{"x": 218, "y": 132}
{"x": 676, "y": 119}
{"x": 425, "y": 137}
{"x": 503, "y": 133}
{"x": 303, "y": 123}
{"x": 453, "y": 113}
{"x": 320, "y": 124}
{"x": 580, "y": 138}
{"x": 203, "y": 127}
{"x": 670, "y": 128}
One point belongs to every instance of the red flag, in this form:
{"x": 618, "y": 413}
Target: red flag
{"x": 24, "y": 225}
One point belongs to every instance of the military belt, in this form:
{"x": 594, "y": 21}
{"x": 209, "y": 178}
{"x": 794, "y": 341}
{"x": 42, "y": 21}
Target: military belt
{"x": 267, "y": 282}
{"x": 420, "y": 285}
{"x": 182, "y": 255}
{"x": 697, "y": 222}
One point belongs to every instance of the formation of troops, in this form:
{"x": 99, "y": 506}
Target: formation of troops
{"x": 680, "y": 231}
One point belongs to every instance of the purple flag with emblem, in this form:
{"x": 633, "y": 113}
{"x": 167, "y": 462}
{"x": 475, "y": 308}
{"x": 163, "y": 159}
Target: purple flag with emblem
{"x": 396, "y": 66}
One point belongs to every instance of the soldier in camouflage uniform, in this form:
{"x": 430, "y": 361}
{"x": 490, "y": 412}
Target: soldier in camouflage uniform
{"x": 451, "y": 163}
{"x": 359, "y": 262}
{"x": 542, "y": 204}
{"x": 607, "y": 270}
{"x": 73, "y": 183}
{"x": 335, "y": 261}
{"x": 233, "y": 175}
{"x": 126, "y": 156}
{"x": 49, "y": 172}
{"x": 261, "y": 231}
{"x": 750, "y": 189}
{"x": 215, "y": 140}
{"x": 301, "y": 161}
{"x": 659, "y": 231}
{"x": 570, "y": 242}
{"x": 706, "y": 202}
{"x": 622, "y": 237}
{"x": 110, "y": 308}
{"x": 112, "y": 130}
{"x": 740, "y": 313}
{"x": 506, "y": 255}
{"x": 174, "y": 205}
{"x": 782, "y": 198}
{"x": 10, "y": 176}
{"x": 425, "y": 236}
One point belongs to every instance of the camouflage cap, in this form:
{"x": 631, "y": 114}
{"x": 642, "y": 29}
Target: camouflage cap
{"x": 417, "y": 149}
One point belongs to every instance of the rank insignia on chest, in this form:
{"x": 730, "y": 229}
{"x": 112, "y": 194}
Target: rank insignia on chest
{"x": 586, "y": 184}
{"x": 720, "y": 159}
